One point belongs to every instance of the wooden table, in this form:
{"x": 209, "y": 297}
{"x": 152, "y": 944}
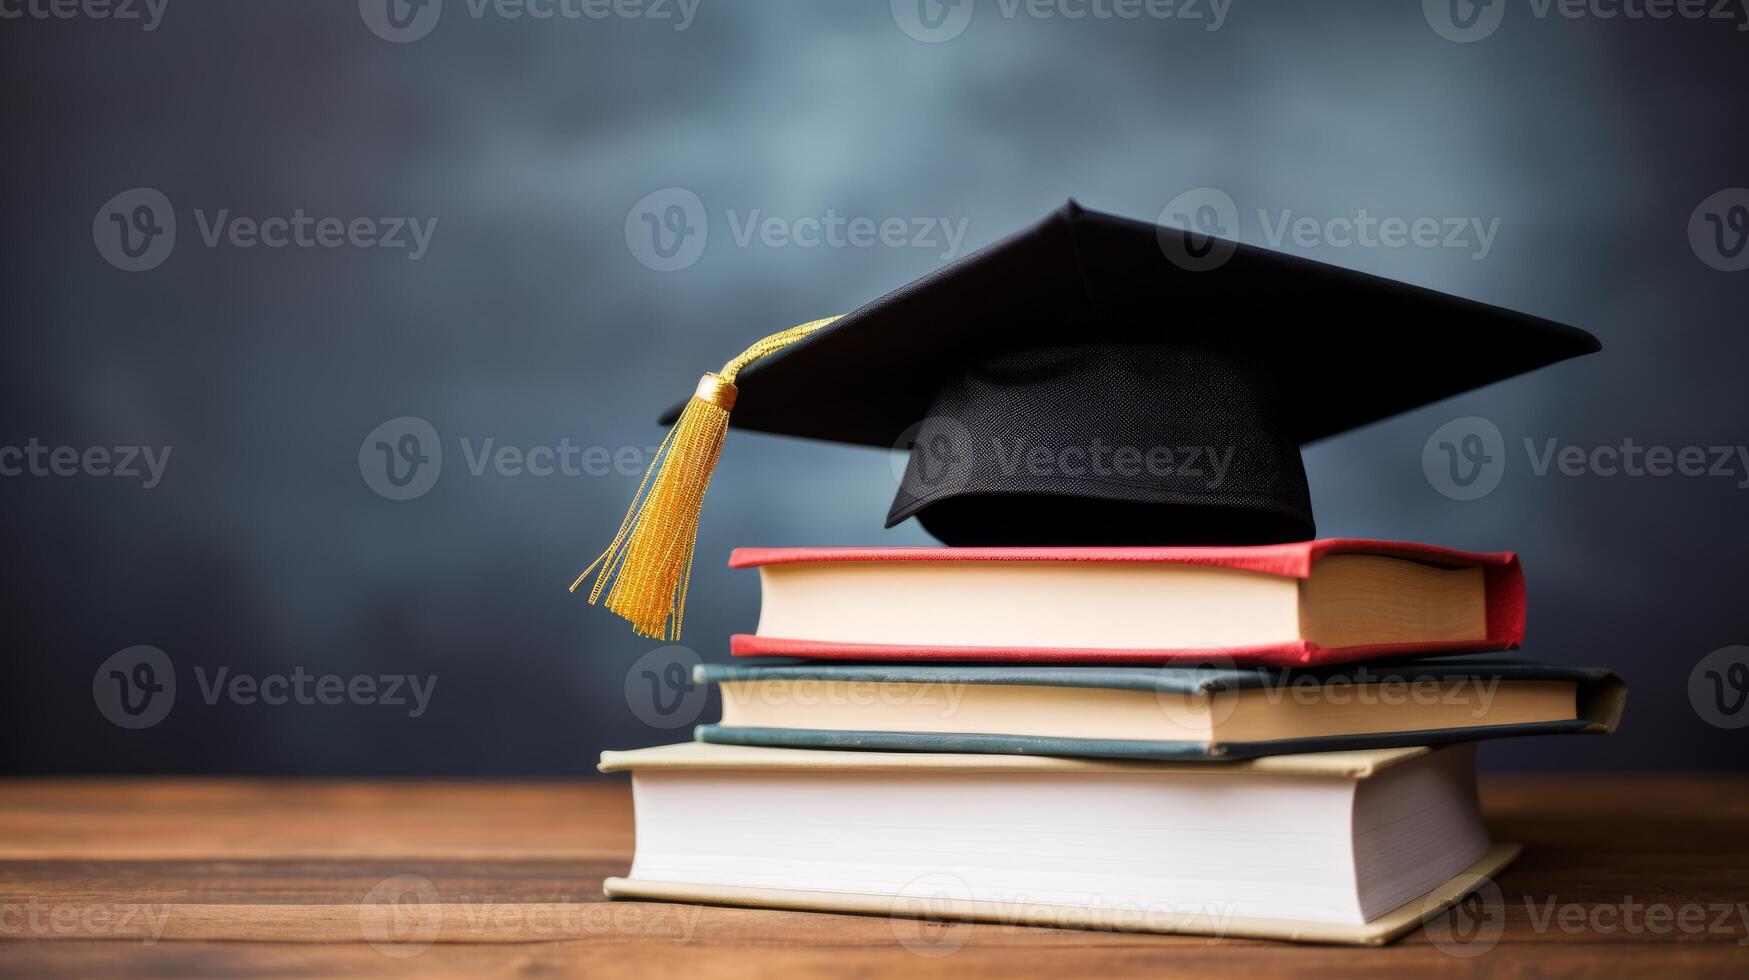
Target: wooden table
{"x": 496, "y": 879}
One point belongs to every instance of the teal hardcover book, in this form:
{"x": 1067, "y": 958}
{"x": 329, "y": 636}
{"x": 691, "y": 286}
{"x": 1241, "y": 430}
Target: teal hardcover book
{"x": 1169, "y": 713}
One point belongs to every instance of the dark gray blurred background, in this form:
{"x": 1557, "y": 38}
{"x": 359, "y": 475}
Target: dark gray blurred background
{"x": 537, "y": 314}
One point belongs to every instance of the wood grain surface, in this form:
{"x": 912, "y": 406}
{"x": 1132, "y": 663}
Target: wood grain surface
{"x": 1620, "y": 875}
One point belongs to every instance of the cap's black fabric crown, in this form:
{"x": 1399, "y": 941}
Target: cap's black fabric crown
{"x": 1108, "y": 444}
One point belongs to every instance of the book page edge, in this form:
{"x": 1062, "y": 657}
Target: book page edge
{"x": 1385, "y": 929}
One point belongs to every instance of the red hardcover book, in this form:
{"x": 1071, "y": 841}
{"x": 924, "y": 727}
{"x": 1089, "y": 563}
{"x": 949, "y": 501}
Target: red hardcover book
{"x": 1300, "y": 604}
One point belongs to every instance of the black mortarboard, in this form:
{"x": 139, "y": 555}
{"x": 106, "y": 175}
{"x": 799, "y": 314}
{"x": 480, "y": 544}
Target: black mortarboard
{"x": 1084, "y": 382}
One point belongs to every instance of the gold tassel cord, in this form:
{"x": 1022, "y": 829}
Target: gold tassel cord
{"x": 650, "y": 559}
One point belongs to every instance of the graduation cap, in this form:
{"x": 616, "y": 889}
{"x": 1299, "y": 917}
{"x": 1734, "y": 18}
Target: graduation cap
{"x": 1082, "y": 383}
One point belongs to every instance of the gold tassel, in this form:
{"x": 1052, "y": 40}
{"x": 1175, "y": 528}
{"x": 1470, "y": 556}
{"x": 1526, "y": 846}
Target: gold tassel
{"x": 650, "y": 559}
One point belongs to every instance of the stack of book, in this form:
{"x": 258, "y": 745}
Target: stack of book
{"x": 1133, "y": 690}
{"x": 1241, "y": 741}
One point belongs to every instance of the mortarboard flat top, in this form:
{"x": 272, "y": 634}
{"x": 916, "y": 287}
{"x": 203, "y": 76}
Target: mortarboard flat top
{"x": 1354, "y": 348}
{"x": 1083, "y": 336}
